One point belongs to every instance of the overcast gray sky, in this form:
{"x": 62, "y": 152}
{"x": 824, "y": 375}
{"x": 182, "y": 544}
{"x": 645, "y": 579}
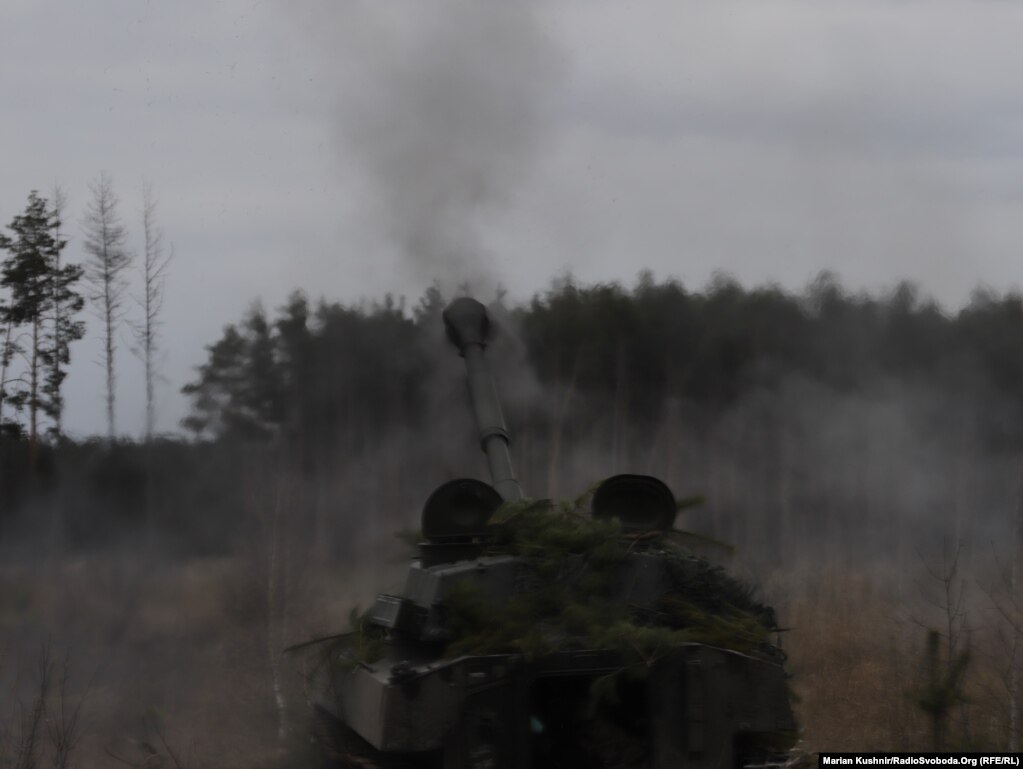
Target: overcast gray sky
{"x": 354, "y": 147}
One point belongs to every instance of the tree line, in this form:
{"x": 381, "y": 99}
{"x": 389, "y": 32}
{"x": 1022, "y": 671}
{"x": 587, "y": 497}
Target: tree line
{"x": 808, "y": 420}
{"x": 799, "y": 415}
{"x": 641, "y": 349}
{"x": 42, "y": 296}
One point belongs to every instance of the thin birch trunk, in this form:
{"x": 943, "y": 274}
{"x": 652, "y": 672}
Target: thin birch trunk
{"x": 277, "y": 611}
{"x": 556, "y": 432}
{"x": 619, "y": 445}
{"x": 33, "y": 402}
{"x": 4, "y": 365}
{"x": 785, "y": 534}
{"x": 1014, "y": 604}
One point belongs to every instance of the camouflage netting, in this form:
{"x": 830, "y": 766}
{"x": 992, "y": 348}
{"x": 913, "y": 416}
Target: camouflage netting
{"x": 572, "y": 565}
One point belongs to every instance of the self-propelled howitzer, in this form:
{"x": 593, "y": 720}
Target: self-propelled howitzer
{"x": 528, "y": 636}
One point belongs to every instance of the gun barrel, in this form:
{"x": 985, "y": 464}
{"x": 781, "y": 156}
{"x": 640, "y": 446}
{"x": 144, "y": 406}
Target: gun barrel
{"x": 468, "y": 328}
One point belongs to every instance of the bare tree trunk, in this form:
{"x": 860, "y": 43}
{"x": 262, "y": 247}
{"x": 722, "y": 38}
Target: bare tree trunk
{"x": 108, "y": 322}
{"x": 619, "y": 444}
{"x": 1016, "y": 651}
{"x": 154, "y": 268}
{"x": 785, "y": 524}
{"x": 715, "y": 482}
{"x": 59, "y": 204}
{"x": 104, "y": 242}
{"x": 735, "y": 527}
{"x": 673, "y": 436}
{"x": 5, "y": 354}
{"x": 277, "y": 610}
{"x": 1014, "y": 666}
{"x": 33, "y": 401}
{"x": 556, "y": 431}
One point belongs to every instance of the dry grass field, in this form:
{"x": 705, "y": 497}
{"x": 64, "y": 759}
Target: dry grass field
{"x": 171, "y": 662}
{"x": 857, "y": 658}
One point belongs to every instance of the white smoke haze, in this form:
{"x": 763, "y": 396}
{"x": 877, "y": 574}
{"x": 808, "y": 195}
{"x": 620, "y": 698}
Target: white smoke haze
{"x": 497, "y": 142}
{"x": 816, "y": 486}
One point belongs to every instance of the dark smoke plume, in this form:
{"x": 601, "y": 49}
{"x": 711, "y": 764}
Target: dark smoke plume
{"x": 442, "y": 107}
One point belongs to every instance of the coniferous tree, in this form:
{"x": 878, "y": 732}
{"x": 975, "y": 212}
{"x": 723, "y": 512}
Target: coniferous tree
{"x": 24, "y": 274}
{"x": 240, "y": 390}
{"x": 216, "y": 393}
{"x": 65, "y": 303}
{"x": 263, "y": 396}
{"x": 37, "y": 286}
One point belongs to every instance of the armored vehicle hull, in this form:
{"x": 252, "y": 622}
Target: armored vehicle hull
{"x": 700, "y": 707}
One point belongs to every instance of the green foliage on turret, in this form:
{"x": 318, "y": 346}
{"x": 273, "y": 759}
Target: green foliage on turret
{"x": 569, "y": 594}
{"x": 363, "y": 644}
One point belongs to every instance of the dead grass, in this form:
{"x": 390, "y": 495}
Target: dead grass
{"x": 182, "y": 647}
{"x": 178, "y": 648}
{"x": 856, "y": 656}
